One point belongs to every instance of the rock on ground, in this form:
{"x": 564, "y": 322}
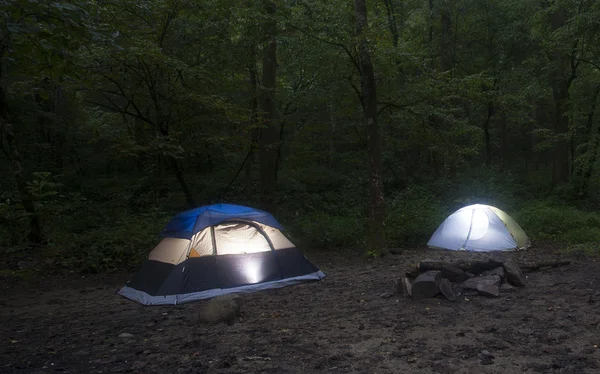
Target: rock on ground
{"x": 226, "y": 308}
{"x": 490, "y": 290}
{"x": 476, "y": 282}
{"x": 446, "y": 289}
{"x": 454, "y": 274}
{"x": 426, "y": 285}
{"x": 513, "y": 273}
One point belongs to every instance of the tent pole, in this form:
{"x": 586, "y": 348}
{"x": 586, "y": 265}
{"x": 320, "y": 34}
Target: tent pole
{"x": 214, "y": 240}
{"x": 470, "y": 229}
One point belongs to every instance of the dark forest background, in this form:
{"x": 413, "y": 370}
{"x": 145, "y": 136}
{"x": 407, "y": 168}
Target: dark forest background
{"x": 358, "y": 124}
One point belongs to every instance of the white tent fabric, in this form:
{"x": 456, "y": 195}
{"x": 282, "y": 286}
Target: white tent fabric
{"x": 476, "y": 228}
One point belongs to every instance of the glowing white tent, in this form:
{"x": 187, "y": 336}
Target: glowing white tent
{"x": 479, "y": 228}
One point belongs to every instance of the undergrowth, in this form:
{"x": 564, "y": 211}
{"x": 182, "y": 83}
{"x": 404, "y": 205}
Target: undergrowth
{"x": 99, "y": 229}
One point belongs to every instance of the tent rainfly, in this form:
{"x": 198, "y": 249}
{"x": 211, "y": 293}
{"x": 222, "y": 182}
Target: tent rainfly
{"x": 215, "y": 250}
{"x": 479, "y": 228}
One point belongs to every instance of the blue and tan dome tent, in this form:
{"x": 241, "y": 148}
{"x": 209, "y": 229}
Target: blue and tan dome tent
{"x": 479, "y": 228}
{"x": 215, "y": 250}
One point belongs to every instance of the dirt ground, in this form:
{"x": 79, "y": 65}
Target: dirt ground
{"x": 346, "y": 323}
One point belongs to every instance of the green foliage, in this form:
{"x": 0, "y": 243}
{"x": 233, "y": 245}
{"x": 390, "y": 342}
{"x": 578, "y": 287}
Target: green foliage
{"x": 121, "y": 243}
{"x": 320, "y": 229}
{"x": 13, "y": 221}
{"x": 412, "y": 216}
{"x": 560, "y": 222}
{"x": 111, "y": 100}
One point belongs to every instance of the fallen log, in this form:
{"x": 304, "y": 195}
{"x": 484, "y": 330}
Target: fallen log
{"x": 543, "y": 264}
{"x": 464, "y": 265}
{"x": 481, "y": 266}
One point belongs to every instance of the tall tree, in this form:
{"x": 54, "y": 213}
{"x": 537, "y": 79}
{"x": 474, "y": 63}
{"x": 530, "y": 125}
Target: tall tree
{"x": 369, "y": 95}
{"x": 35, "y": 38}
{"x": 268, "y": 108}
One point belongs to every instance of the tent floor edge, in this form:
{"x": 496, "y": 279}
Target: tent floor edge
{"x": 147, "y": 299}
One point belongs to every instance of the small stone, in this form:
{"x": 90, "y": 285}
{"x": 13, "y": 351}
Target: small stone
{"x": 411, "y": 360}
{"x": 386, "y": 295}
{"x": 487, "y": 360}
{"x": 490, "y": 290}
{"x": 224, "y": 308}
{"x": 126, "y": 335}
{"x": 26, "y": 265}
{"x": 485, "y": 352}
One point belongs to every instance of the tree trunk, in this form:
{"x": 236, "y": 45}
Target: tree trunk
{"x": 268, "y": 132}
{"x": 430, "y": 33}
{"x": 486, "y": 132}
{"x": 392, "y": 15}
{"x": 332, "y": 133}
{"x": 561, "y": 96}
{"x": 584, "y": 171}
{"x": 446, "y": 55}
{"x": 12, "y": 153}
{"x": 369, "y": 92}
{"x": 60, "y": 124}
{"x": 254, "y": 131}
{"x": 589, "y": 171}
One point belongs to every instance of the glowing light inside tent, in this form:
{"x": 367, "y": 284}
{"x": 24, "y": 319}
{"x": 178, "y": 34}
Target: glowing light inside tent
{"x": 479, "y": 224}
{"x": 252, "y": 270}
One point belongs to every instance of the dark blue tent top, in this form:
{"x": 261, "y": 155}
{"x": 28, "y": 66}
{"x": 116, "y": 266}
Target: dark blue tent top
{"x": 184, "y": 225}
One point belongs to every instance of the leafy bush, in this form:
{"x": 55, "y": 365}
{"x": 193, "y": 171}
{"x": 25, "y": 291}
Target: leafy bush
{"x": 119, "y": 242}
{"x": 328, "y": 231}
{"x": 412, "y": 216}
{"x": 549, "y": 220}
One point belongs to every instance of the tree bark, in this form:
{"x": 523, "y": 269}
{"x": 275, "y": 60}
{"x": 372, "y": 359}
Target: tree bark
{"x": 486, "y": 132}
{"x": 268, "y": 132}
{"x": 11, "y": 151}
{"x": 589, "y": 171}
{"x": 369, "y": 92}
{"x": 561, "y": 95}
{"x": 254, "y": 131}
{"x": 446, "y": 55}
{"x": 585, "y": 171}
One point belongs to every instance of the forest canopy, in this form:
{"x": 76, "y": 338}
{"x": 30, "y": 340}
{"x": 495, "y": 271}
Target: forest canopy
{"x": 359, "y": 124}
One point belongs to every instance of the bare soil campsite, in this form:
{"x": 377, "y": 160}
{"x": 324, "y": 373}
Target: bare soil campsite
{"x": 351, "y": 322}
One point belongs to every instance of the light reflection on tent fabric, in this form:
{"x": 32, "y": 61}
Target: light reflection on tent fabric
{"x": 252, "y": 269}
{"x": 479, "y": 225}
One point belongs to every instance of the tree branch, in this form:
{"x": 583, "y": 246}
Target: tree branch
{"x": 391, "y": 104}
{"x": 358, "y": 93}
{"x": 597, "y": 66}
{"x": 323, "y": 40}
{"x": 116, "y": 109}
